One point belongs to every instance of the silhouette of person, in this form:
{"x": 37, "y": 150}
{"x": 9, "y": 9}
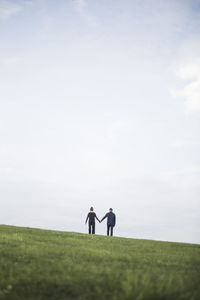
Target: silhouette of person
{"x": 91, "y": 216}
{"x": 111, "y": 221}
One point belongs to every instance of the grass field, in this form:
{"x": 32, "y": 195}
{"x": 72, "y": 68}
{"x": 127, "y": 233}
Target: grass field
{"x": 43, "y": 264}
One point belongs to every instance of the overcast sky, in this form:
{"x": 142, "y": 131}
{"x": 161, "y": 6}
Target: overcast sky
{"x": 100, "y": 105}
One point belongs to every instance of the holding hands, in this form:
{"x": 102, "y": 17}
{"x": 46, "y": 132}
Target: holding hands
{"x": 111, "y": 220}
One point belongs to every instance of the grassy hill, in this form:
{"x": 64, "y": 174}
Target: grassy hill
{"x": 43, "y": 264}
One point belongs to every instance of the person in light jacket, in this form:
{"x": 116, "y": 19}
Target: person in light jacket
{"x": 91, "y": 217}
{"x": 111, "y": 221}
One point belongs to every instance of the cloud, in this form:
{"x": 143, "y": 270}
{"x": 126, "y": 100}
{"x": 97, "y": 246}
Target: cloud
{"x": 191, "y": 90}
{"x": 80, "y": 5}
{"x": 189, "y": 73}
{"x": 8, "y": 9}
{"x": 12, "y": 61}
{"x": 108, "y": 114}
{"x": 86, "y": 15}
{"x": 118, "y": 128}
{"x": 185, "y": 141}
{"x": 185, "y": 178}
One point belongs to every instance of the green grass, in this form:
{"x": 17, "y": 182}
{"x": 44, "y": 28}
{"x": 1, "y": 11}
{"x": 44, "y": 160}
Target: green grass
{"x": 43, "y": 264}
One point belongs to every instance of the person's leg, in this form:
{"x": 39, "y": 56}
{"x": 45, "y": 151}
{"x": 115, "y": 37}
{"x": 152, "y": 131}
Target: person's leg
{"x": 108, "y": 227}
{"x": 93, "y": 228}
{"x": 111, "y": 230}
{"x": 90, "y": 228}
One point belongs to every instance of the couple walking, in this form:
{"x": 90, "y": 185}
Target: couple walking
{"x": 111, "y": 220}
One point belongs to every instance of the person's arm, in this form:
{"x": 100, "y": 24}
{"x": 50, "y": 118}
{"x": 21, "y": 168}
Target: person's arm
{"x": 87, "y": 218}
{"x": 104, "y": 217}
{"x": 114, "y": 219}
{"x": 97, "y": 218}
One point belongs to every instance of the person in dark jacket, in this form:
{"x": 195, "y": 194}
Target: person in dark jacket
{"x": 91, "y": 217}
{"x": 111, "y": 221}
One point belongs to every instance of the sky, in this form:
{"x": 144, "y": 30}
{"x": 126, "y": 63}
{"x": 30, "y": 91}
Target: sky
{"x": 100, "y": 106}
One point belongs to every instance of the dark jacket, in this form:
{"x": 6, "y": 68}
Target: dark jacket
{"x": 91, "y": 216}
{"x": 111, "y": 219}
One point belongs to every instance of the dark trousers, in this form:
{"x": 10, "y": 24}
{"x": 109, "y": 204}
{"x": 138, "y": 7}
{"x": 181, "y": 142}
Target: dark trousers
{"x": 110, "y": 229}
{"x": 92, "y": 227}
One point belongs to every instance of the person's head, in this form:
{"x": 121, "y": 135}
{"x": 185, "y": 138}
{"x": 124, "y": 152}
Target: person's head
{"x": 91, "y": 208}
{"x": 110, "y": 210}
